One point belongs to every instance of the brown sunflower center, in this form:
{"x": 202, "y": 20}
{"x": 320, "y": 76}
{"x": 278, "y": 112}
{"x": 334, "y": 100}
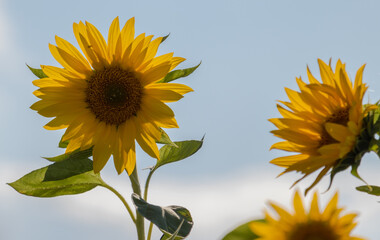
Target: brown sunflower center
{"x": 341, "y": 116}
{"x": 313, "y": 231}
{"x": 114, "y": 95}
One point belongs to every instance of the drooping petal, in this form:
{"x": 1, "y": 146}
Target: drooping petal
{"x": 130, "y": 164}
{"x": 103, "y": 140}
{"x": 158, "y": 112}
{"x": 147, "y": 143}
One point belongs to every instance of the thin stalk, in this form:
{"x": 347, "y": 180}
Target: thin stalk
{"x": 139, "y": 219}
{"x": 122, "y": 199}
{"x": 146, "y": 198}
{"x": 150, "y": 231}
{"x": 147, "y": 184}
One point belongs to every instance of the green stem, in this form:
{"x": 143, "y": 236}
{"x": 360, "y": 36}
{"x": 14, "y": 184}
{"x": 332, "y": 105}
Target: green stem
{"x": 150, "y": 231}
{"x": 139, "y": 219}
{"x": 147, "y": 184}
{"x": 146, "y": 197}
{"x": 122, "y": 199}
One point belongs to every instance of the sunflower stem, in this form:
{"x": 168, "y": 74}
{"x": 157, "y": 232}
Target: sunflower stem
{"x": 122, "y": 200}
{"x": 146, "y": 198}
{"x": 139, "y": 219}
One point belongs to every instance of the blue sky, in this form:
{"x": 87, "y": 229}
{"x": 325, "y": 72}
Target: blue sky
{"x": 250, "y": 50}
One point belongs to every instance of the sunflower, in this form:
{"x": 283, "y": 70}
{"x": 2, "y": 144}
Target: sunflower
{"x": 111, "y": 96}
{"x": 322, "y": 122}
{"x": 302, "y": 225}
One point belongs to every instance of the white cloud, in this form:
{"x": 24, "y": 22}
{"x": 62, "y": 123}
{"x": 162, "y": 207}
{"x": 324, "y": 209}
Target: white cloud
{"x": 216, "y": 204}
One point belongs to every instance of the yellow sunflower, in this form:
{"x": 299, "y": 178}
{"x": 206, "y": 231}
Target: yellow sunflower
{"x": 328, "y": 224}
{"x": 321, "y": 122}
{"x": 111, "y": 96}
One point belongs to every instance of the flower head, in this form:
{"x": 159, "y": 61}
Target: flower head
{"x": 314, "y": 224}
{"x": 321, "y": 123}
{"x": 111, "y": 96}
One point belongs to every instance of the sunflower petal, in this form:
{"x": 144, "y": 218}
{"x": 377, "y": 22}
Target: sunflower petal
{"x": 159, "y": 112}
{"x": 113, "y": 36}
{"x": 155, "y": 73}
{"x": 147, "y": 143}
{"x": 128, "y": 33}
{"x": 130, "y": 164}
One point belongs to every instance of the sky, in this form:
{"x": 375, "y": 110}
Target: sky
{"x": 250, "y": 50}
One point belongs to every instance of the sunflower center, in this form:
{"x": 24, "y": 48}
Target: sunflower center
{"x": 341, "y": 116}
{"x": 313, "y": 231}
{"x": 114, "y": 95}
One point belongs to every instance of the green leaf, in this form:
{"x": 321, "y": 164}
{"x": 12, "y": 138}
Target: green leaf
{"x": 61, "y": 178}
{"x": 164, "y": 38}
{"x": 175, "y": 236}
{"x": 165, "y": 139}
{"x": 37, "y": 72}
{"x": 77, "y": 154}
{"x": 184, "y": 149}
{"x": 167, "y": 219}
{"x": 68, "y": 168}
{"x": 63, "y": 144}
{"x": 370, "y": 189}
{"x": 173, "y": 75}
{"x": 243, "y": 232}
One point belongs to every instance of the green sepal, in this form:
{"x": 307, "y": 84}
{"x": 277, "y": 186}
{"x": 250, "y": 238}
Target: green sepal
{"x": 375, "y": 147}
{"x": 37, "y": 72}
{"x": 165, "y": 139}
{"x": 164, "y": 38}
{"x": 63, "y": 144}
{"x": 370, "y": 189}
{"x": 353, "y": 160}
{"x": 243, "y": 232}
{"x": 373, "y": 127}
{"x": 77, "y": 154}
{"x": 364, "y": 143}
{"x": 167, "y": 219}
{"x": 67, "y": 177}
{"x": 180, "y": 73}
{"x": 182, "y": 150}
